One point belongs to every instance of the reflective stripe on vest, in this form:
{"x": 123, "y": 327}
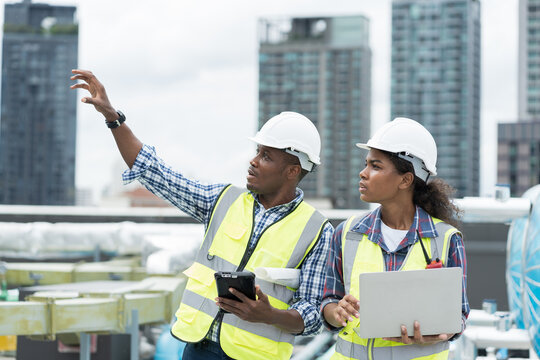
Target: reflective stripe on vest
{"x": 361, "y": 255}
{"x": 283, "y": 244}
{"x": 390, "y": 350}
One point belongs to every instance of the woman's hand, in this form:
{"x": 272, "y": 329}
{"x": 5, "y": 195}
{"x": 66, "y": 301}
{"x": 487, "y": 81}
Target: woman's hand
{"x": 337, "y": 314}
{"x": 418, "y": 338}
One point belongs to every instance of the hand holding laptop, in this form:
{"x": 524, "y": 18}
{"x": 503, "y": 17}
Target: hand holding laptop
{"x": 418, "y": 338}
{"x": 426, "y": 302}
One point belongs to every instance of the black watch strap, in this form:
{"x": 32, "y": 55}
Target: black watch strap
{"x": 116, "y": 123}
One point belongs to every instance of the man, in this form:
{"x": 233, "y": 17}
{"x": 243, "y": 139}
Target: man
{"x": 267, "y": 226}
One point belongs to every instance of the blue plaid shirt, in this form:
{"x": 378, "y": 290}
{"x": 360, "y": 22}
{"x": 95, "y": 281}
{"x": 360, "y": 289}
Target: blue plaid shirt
{"x": 196, "y": 199}
{"x": 334, "y": 289}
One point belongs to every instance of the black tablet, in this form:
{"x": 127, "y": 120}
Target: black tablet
{"x": 243, "y": 281}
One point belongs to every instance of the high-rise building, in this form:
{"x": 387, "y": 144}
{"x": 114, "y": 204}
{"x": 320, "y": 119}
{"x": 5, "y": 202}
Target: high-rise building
{"x": 529, "y": 60}
{"x": 518, "y": 155}
{"x": 38, "y": 116}
{"x": 321, "y": 67}
{"x": 436, "y": 81}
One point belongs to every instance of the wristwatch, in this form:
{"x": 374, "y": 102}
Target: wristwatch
{"x": 116, "y": 123}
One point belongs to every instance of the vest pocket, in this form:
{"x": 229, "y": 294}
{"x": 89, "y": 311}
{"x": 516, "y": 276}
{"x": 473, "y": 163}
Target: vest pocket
{"x": 186, "y": 313}
{"x": 234, "y": 230}
{"x": 227, "y": 244}
{"x": 200, "y": 290}
{"x": 201, "y": 280}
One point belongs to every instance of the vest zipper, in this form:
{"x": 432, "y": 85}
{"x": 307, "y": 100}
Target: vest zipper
{"x": 248, "y": 252}
{"x": 370, "y": 344}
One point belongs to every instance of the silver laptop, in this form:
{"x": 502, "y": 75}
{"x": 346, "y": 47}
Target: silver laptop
{"x": 390, "y": 299}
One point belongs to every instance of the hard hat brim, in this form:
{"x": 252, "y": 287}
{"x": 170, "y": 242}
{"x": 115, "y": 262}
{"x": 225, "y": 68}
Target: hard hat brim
{"x": 363, "y": 146}
{"x": 264, "y": 143}
{"x": 275, "y": 146}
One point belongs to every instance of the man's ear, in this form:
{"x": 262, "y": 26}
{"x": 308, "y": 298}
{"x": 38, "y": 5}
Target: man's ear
{"x": 406, "y": 180}
{"x": 293, "y": 171}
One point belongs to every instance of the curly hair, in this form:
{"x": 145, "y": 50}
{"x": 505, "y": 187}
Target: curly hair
{"x": 434, "y": 196}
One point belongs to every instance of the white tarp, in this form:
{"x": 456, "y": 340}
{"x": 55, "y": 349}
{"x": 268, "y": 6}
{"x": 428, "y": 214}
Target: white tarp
{"x": 125, "y": 238}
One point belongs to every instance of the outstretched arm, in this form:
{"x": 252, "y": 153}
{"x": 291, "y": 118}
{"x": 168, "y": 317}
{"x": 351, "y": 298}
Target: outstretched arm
{"x": 127, "y": 142}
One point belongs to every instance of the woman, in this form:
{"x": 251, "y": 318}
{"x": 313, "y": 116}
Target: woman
{"x": 402, "y": 156}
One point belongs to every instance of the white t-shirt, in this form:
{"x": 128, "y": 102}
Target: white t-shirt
{"x": 392, "y": 237}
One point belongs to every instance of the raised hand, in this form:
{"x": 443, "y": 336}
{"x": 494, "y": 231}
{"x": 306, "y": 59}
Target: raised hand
{"x": 97, "y": 91}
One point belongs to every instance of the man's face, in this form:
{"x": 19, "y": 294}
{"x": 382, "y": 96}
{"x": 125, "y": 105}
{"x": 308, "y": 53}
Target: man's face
{"x": 267, "y": 170}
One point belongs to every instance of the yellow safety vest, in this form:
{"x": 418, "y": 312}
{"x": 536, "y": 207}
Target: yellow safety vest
{"x": 284, "y": 244}
{"x": 360, "y": 255}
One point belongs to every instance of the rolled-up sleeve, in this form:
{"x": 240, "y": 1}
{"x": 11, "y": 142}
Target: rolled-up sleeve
{"x": 191, "y": 196}
{"x": 334, "y": 288}
{"x": 457, "y": 258}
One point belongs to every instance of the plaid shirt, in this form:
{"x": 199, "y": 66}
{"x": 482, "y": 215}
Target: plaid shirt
{"x": 334, "y": 289}
{"x": 197, "y": 199}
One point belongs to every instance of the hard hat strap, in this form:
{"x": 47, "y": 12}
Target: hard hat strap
{"x": 302, "y": 157}
{"x": 418, "y": 165}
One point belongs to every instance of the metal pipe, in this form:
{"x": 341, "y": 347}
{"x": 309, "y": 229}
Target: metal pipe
{"x": 84, "y": 349}
{"x": 133, "y": 330}
{"x": 484, "y": 337}
{"x": 315, "y": 346}
{"x": 328, "y": 354}
{"x": 490, "y": 210}
{"x": 482, "y": 318}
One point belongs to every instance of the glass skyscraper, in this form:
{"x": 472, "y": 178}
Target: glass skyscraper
{"x": 518, "y": 151}
{"x": 518, "y": 155}
{"x": 321, "y": 67}
{"x": 436, "y": 81}
{"x": 38, "y": 115}
{"x": 529, "y": 60}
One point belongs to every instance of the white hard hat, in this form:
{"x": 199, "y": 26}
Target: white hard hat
{"x": 294, "y": 133}
{"x": 410, "y": 141}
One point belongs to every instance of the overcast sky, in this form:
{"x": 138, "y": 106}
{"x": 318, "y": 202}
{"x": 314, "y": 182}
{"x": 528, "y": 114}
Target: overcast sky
{"x": 185, "y": 75}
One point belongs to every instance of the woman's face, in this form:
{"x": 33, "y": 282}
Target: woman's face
{"x": 379, "y": 180}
